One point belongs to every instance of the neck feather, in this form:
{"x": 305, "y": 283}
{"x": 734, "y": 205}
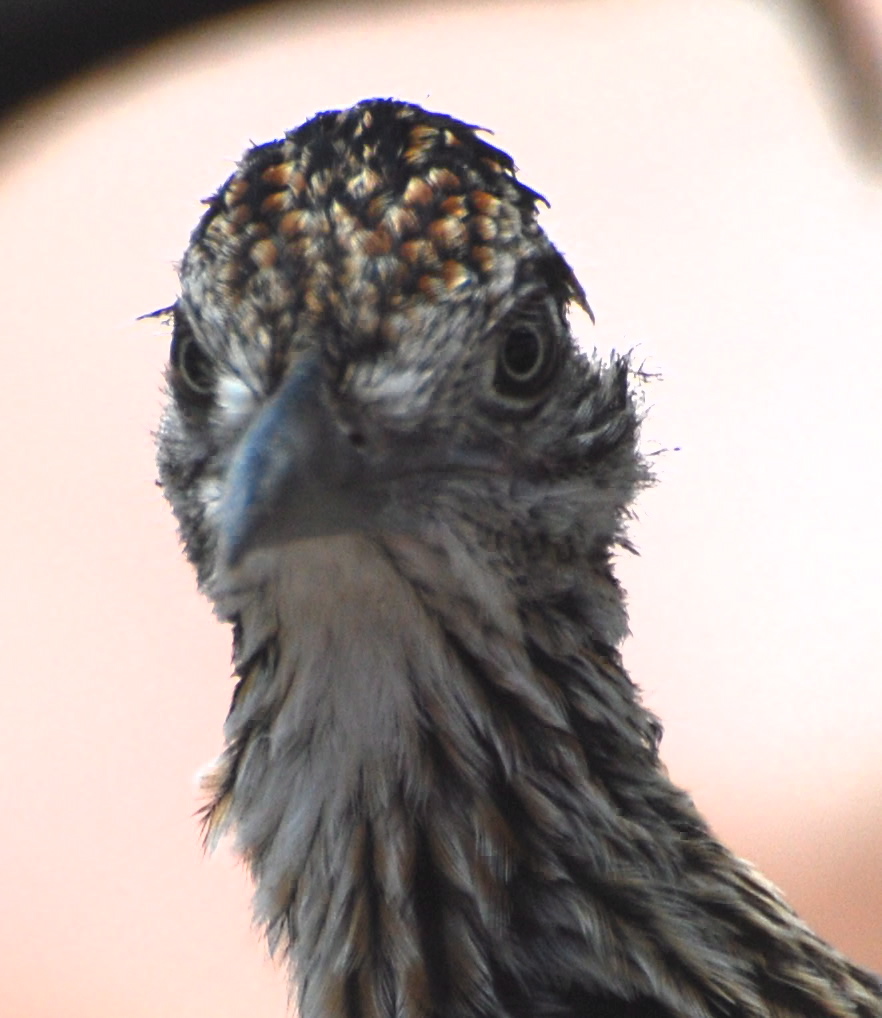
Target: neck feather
{"x": 445, "y": 816}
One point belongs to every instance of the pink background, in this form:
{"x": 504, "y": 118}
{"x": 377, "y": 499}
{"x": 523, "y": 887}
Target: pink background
{"x": 701, "y": 186}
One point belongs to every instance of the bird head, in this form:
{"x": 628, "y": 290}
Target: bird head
{"x": 372, "y": 339}
{"x": 402, "y": 482}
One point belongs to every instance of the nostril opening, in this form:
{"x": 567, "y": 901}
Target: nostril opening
{"x": 357, "y": 439}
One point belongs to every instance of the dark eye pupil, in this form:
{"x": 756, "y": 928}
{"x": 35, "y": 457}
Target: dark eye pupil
{"x": 521, "y": 354}
{"x": 194, "y": 366}
{"x": 525, "y": 361}
{"x": 190, "y": 362}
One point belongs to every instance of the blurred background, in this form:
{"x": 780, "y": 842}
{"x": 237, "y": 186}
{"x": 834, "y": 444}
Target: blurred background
{"x": 714, "y": 175}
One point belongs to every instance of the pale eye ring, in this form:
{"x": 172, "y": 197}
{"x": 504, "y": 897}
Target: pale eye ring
{"x": 525, "y": 361}
{"x": 190, "y": 362}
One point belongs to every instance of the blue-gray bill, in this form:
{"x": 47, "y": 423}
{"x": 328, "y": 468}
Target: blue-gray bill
{"x": 403, "y": 484}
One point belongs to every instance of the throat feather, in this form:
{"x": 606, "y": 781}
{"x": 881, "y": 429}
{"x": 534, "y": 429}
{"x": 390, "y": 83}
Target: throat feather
{"x": 423, "y": 819}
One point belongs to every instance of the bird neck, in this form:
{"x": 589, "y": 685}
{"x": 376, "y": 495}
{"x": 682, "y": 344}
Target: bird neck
{"x": 451, "y": 805}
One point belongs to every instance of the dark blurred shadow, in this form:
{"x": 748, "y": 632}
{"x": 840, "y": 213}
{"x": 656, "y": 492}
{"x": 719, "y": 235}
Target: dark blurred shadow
{"x": 850, "y": 32}
{"x": 44, "y": 42}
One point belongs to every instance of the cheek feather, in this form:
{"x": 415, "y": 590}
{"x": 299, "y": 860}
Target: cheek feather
{"x": 407, "y": 500}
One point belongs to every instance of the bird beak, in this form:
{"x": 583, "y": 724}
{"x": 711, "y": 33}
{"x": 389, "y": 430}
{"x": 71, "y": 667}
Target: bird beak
{"x": 296, "y": 473}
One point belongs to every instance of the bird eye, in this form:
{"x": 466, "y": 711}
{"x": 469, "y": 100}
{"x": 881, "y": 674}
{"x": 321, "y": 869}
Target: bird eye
{"x": 189, "y": 361}
{"x": 525, "y": 361}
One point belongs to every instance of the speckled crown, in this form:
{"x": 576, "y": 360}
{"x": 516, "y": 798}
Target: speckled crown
{"x": 357, "y": 216}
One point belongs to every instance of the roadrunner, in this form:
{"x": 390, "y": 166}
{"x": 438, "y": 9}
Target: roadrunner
{"x": 402, "y": 484}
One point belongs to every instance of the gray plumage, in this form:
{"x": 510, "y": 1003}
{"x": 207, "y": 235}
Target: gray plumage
{"x": 402, "y": 483}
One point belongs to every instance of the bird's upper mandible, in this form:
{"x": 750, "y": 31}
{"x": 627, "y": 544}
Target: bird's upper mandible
{"x": 370, "y": 310}
{"x": 403, "y": 484}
